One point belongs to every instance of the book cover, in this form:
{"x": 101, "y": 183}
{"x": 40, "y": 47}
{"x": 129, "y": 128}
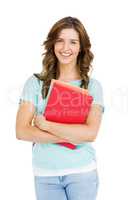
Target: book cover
{"x": 67, "y": 103}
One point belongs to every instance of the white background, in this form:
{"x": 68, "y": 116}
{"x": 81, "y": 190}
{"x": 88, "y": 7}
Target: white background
{"x": 23, "y": 27}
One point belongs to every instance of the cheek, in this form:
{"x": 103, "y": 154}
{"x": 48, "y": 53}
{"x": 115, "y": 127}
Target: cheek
{"x": 57, "y": 47}
{"x": 76, "y": 51}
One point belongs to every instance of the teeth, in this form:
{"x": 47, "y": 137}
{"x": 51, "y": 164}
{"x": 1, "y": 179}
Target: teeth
{"x": 65, "y": 54}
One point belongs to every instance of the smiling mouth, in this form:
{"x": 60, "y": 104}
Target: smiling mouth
{"x": 65, "y": 54}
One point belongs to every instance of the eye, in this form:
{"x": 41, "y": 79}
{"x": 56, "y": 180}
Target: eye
{"x": 59, "y": 40}
{"x": 73, "y": 42}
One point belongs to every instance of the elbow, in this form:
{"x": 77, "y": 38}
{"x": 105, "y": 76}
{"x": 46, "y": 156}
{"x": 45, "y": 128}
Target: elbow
{"x": 23, "y": 133}
{"x": 87, "y": 138}
{"x": 91, "y": 137}
{"x": 20, "y": 133}
{"x": 92, "y": 133}
{"x": 17, "y": 136}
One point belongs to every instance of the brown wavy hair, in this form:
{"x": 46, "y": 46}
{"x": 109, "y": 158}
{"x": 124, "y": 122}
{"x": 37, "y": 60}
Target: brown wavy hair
{"x": 50, "y": 68}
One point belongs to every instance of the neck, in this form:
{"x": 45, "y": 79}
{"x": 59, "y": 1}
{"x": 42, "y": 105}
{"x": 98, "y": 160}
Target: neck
{"x": 68, "y": 72}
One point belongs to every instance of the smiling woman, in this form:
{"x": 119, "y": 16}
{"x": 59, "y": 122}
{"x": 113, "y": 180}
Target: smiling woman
{"x": 61, "y": 173}
{"x": 67, "y": 47}
{"x": 67, "y": 37}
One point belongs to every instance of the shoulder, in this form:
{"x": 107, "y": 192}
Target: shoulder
{"x": 30, "y": 90}
{"x": 96, "y": 90}
{"x": 32, "y": 81}
{"x": 94, "y": 84}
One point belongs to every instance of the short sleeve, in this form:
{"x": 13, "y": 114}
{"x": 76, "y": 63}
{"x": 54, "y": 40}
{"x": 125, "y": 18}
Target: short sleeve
{"x": 30, "y": 91}
{"x": 95, "y": 89}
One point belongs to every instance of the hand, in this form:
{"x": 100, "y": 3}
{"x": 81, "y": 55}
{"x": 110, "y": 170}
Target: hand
{"x": 41, "y": 122}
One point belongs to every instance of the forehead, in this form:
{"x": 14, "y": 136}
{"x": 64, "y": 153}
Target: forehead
{"x": 69, "y": 33}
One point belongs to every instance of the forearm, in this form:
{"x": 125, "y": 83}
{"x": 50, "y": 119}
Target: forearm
{"x": 34, "y": 134}
{"x": 75, "y": 133}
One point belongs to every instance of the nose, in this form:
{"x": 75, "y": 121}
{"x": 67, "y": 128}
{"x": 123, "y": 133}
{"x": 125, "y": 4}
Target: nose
{"x": 66, "y": 46}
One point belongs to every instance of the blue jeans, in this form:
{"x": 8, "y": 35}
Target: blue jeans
{"x": 82, "y": 186}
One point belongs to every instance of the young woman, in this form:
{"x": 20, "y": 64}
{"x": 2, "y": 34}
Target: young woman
{"x": 61, "y": 173}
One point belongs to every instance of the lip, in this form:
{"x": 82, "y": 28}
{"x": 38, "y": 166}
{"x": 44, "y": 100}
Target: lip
{"x": 67, "y": 56}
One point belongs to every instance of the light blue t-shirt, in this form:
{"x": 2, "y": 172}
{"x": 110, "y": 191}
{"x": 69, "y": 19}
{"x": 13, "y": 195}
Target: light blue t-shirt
{"x": 53, "y": 159}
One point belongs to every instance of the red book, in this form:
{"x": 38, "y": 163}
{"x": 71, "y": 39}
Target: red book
{"x": 67, "y": 103}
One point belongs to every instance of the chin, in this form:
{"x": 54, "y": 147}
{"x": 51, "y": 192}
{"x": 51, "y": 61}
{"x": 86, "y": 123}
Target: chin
{"x": 65, "y": 61}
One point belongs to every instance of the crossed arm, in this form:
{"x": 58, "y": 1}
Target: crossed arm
{"x": 45, "y": 131}
{"x": 74, "y": 133}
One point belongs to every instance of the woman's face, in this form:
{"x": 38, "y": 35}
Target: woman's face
{"x": 67, "y": 46}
